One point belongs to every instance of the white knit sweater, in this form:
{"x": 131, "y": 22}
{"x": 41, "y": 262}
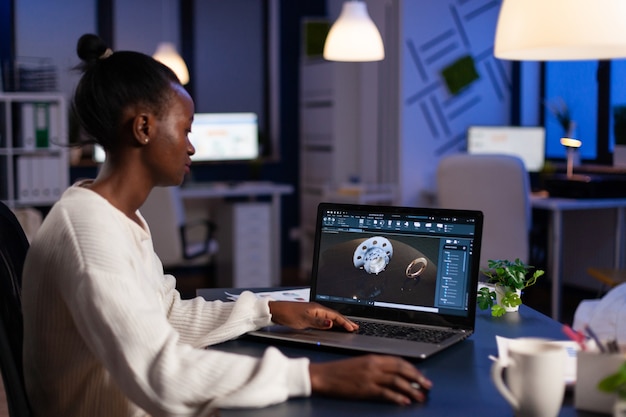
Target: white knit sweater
{"x": 106, "y": 333}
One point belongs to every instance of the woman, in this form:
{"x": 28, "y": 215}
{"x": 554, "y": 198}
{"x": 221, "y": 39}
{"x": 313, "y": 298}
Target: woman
{"x": 106, "y": 333}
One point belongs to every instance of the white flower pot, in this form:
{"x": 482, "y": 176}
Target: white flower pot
{"x": 619, "y": 408}
{"x": 500, "y": 291}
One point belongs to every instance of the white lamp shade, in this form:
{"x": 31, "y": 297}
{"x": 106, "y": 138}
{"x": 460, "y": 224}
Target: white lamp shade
{"x": 354, "y": 37}
{"x": 166, "y": 54}
{"x": 552, "y": 30}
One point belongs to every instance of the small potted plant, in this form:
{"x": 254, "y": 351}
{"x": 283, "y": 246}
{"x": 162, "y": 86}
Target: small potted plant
{"x": 561, "y": 113}
{"x": 509, "y": 279}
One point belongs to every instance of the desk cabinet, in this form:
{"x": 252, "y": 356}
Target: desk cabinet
{"x": 248, "y": 229}
{"x": 245, "y": 247}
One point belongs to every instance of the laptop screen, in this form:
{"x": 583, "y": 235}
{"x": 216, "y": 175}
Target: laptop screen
{"x": 397, "y": 263}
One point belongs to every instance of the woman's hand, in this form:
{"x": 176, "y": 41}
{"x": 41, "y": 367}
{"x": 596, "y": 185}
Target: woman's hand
{"x": 299, "y": 315}
{"x": 370, "y": 377}
{"x": 366, "y": 377}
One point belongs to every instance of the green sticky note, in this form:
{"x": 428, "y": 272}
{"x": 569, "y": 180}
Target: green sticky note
{"x": 460, "y": 74}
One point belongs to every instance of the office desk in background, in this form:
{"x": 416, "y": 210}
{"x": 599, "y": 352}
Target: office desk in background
{"x": 557, "y": 207}
{"x": 460, "y": 374}
{"x": 249, "y": 228}
{"x": 248, "y": 189}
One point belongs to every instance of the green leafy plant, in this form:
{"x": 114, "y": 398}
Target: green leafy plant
{"x": 511, "y": 276}
{"x": 561, "y": 113}
{"x": 615, "y": 383}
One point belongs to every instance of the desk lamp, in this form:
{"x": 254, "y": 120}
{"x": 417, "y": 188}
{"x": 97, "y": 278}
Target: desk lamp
{"x": 571, "y": 146}
{"x": 354, "y": 37}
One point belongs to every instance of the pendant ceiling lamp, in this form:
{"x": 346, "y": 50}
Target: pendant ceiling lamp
{"x": 354, "y": 37}
{"x": 166, "y": 52}
{"x": 553, "y": 30}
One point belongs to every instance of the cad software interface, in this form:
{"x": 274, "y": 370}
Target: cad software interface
{"x": 411, "y": 262}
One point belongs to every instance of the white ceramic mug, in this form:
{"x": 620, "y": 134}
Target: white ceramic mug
{"x": 535, "y": 377}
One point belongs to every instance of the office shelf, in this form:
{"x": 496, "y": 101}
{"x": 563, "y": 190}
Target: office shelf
{"x": 33, "y": 152}
{"x": 342, "y": 155}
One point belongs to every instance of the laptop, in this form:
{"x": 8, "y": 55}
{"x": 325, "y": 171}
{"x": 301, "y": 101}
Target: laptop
{"x": 409, "y": 272}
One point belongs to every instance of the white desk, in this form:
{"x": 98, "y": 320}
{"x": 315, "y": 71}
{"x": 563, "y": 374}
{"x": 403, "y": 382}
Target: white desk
{"x": 557, "y": 206}
{"x": 250, "y": 191}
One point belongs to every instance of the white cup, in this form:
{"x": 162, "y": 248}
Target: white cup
{"x": 535, "y": 377}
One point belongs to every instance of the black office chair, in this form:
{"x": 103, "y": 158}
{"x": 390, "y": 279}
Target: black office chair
{"x": 13, "y": 247}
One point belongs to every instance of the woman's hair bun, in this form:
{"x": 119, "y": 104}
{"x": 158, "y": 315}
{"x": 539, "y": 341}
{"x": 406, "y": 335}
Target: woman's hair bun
{"x": 90, "y": 47}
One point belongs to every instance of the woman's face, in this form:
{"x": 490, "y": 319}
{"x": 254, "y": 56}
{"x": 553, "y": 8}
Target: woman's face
{"x": 169, "y": 151}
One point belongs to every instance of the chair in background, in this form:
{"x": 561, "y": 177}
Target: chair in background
{"x": 497, "y": 185}
{"x": 178, "y": 241}
{"x": 30, "y": 219}
{"x": 13, "y": 247}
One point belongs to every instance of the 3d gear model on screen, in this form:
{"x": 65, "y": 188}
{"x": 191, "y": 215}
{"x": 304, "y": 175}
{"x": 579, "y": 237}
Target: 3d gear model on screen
{"x": 416, "y": 267}
{"x": 373, "y": 255}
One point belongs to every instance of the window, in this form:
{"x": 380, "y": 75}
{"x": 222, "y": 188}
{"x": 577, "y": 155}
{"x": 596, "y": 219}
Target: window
{"x": 574, "y": 84}
{"x": 618, "y": 94}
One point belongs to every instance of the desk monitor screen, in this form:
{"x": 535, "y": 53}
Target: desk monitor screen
{"x": 526, "y": 142}
{"x": 224, "y": 137}
{"x": 219, "y": 137}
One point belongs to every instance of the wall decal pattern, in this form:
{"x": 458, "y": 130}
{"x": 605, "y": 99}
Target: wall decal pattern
{"x": 436, "y": 35}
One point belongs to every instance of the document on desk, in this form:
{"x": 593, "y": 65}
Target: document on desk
{"x": 300, "y": 294}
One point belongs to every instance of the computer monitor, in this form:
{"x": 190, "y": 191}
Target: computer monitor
{"x": 225, "y": 137}
{"x": 219, "y": 137}
{"x": 526, "y": 142}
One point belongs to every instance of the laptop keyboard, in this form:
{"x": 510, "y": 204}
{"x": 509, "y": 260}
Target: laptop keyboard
{"x": 402, "y": 332}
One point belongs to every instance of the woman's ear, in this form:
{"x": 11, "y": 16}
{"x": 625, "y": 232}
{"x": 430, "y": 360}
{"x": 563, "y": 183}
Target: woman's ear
{"x": 142, "y": 127}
